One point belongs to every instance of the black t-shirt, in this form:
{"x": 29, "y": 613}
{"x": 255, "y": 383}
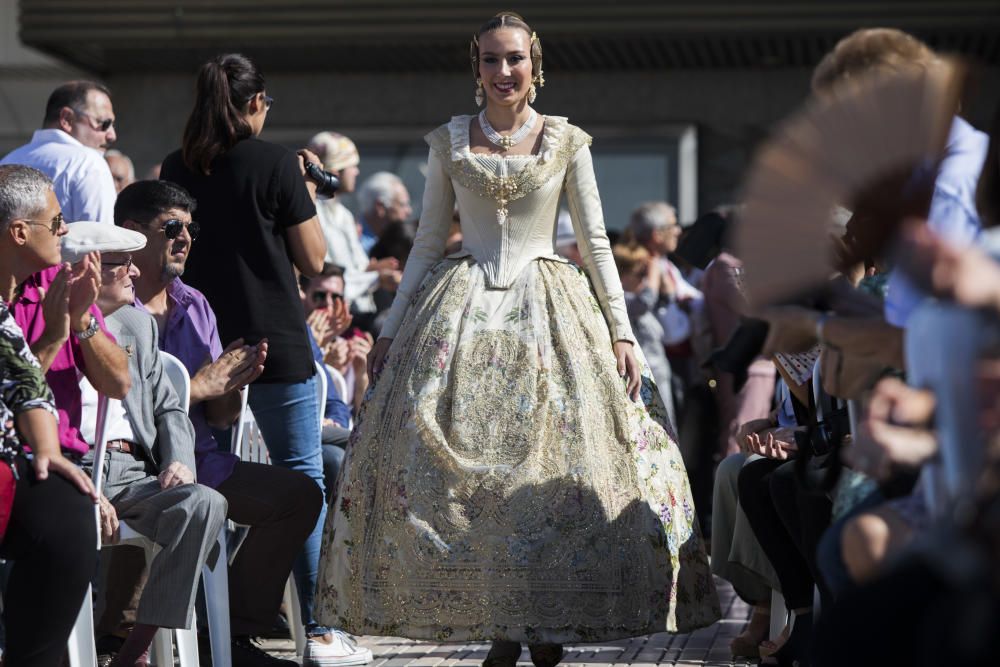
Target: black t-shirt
{"x": 240, "y": 261}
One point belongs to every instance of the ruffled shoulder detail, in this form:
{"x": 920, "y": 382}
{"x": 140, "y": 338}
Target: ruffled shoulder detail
{"x": 451, "y": 140}
{"x": 561, "y": 137}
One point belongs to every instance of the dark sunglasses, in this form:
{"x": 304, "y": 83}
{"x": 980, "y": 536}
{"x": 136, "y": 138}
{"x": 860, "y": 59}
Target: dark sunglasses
{"x": 320, "y": 296}
{"x": 172, "y": 228}
{"x": 102, "y": 125}
{"x": 54, "y": 224}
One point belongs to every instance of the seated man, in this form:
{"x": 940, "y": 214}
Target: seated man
{"x": 329, "y": 317}
{"x": 149, "y": 478}
{"x": 281, "y": 506}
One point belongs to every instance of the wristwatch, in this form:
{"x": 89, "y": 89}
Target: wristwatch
{"x": 89, "y": 332}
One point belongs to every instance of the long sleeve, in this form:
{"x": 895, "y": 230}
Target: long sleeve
{"x": 430, "y": 241}
{"x": 174, "y": 431}
{"x": 588, "y": 225}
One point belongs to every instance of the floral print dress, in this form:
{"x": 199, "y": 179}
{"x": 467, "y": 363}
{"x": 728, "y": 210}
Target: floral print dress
{"x": 499, "y": 482}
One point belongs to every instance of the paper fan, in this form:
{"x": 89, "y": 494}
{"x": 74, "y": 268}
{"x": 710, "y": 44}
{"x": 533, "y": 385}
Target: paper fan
{"x": 873, "y": 146}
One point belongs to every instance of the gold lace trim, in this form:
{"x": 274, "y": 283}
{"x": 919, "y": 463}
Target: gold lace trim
{"x": 470, "y": 172}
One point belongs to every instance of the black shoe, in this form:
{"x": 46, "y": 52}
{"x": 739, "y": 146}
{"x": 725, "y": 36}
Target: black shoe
{"x": 503, "y": 654}
{"x": 107, "y": 648}
{"x": 279, "y": 630}
{"x": 245, "y": 653}
{"x": 546, "y": 655}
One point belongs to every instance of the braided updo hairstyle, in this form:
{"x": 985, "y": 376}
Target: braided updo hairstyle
{"x": 509, "y": 20}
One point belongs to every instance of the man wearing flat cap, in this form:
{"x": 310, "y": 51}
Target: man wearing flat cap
{"x": 149, "y": 466}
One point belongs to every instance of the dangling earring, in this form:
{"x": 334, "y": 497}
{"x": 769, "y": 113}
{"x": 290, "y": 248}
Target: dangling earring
{"x": 479, "y": 92}
{"x": 532, "y": 94}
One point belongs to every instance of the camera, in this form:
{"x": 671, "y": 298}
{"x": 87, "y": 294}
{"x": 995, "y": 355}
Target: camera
{"x": 326, "y": 183}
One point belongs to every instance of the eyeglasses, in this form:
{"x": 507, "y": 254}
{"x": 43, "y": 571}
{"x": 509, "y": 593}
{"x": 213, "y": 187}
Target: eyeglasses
{"x": 54, "y": 225}
{"x": 102, "y": 125}
{"x": 114, "y": 265}
{"x": 320, "y": 297}
{"x": 172, "y": 228}
{"x": 268, "y": 100}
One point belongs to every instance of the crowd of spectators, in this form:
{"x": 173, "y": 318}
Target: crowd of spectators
{"x": 836, "y": 462}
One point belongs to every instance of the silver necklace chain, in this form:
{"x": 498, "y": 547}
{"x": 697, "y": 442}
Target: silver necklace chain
{"x": 507, "y": 142}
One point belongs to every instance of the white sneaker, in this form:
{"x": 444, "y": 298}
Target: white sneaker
{"x": 334, "y": 649}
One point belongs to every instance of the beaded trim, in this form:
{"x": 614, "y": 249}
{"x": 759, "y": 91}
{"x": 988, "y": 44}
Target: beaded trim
{"x": 468, "y": 170}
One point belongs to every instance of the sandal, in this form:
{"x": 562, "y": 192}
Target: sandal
{"x": 747, "y": 644}
{"x": 794, "y": 651}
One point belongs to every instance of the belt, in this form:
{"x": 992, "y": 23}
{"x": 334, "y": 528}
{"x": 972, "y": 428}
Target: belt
{"x": 122, "y": 446}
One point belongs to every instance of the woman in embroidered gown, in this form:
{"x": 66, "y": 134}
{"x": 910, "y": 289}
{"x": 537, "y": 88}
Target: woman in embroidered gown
{"x": 502, "y": 481}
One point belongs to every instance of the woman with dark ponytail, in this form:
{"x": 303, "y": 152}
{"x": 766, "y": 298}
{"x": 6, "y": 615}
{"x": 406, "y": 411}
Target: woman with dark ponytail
{"x": 255, "y": 223}
{"x": 217, "y": 122}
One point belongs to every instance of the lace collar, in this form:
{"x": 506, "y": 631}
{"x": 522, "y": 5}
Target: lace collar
{"x": 553, "y": 129}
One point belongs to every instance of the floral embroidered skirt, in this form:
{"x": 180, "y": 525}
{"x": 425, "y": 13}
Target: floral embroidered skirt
{"x": 500, "y": 484}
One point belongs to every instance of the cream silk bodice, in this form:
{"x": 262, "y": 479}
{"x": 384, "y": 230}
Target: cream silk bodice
{"x": 508, "y": 208}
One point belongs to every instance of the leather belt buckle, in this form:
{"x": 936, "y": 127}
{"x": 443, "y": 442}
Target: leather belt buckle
{"x": 121, "y": 446}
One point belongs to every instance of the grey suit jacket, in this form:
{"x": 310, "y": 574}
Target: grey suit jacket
{"x": 159, "y": 422}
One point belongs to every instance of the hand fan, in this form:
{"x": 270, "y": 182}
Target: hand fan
{"x": 873, "y": 145}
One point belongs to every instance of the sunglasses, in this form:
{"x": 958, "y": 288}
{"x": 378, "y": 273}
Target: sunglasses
{"x": 102, "y": 125}
{"x": 54, "y": 224}
{"x": 268, "y": 100}
{"x": 320, "y": 296}
{"x": 172, "y": 228}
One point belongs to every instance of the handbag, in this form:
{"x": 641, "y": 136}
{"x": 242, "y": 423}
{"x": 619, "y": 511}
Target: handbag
{"x": 8, "y": 485}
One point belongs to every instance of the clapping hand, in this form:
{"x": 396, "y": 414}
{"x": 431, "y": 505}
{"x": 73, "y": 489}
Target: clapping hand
{"x": 337, "y": 354}
{"x": 894, "y": 431}
{"x": 55, "y": 306}
{"x": 84, "y": 287}
{"x": 236, "y": 367}
{"x": 968, "y": 275}
{"x": 360, "y": 347}
{"x": 328, "y": 323}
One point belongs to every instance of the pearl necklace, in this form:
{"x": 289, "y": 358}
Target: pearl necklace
{"x": 514, "y": 138}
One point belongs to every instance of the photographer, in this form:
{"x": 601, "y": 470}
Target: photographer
{"x": 257, "y": 215}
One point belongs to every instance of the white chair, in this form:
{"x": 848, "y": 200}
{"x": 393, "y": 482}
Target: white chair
{"x": 186, "y": 638}
{"x": 80, "y": 648}
{"x": 215, "y": 580}
{"x": 340, "y": 385}
{"x": 321, "y": 391}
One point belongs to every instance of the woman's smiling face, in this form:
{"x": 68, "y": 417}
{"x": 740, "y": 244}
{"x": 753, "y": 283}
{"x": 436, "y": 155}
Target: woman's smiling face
{"x": 505, "y": 65}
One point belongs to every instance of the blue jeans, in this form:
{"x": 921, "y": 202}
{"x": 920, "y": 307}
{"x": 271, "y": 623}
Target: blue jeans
{"x": 288, "y": 417}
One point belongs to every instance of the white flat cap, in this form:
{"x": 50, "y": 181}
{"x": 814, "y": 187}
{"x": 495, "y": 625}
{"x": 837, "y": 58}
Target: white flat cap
{"x": 86, "y": 236}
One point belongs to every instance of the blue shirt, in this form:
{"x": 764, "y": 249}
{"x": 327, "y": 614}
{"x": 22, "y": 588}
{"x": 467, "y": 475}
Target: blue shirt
{"x": 368, "y": 238}
{"x": 335, "y": 408}
{"x": 953, "y": 215}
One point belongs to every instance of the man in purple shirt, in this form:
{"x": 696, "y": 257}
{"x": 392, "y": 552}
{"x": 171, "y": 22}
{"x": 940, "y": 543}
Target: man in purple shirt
{"x": 280, "y": 505}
